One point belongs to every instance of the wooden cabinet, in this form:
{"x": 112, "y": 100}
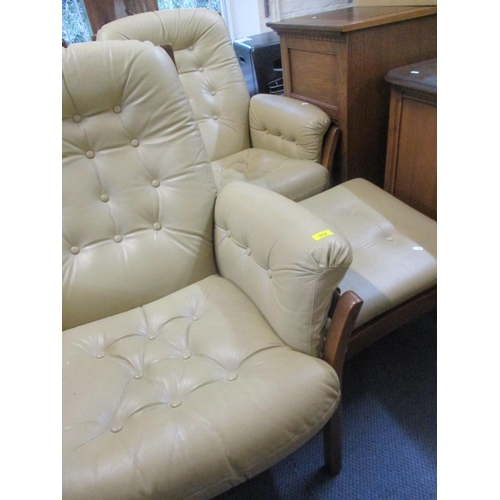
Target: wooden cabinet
{"x": 338, "y": 60}
{"x": 411, "y": 165}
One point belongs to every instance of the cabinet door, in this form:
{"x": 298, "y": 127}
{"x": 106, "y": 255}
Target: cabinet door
{"x": 412, "y": 153}
{"x": 314, "y": 70}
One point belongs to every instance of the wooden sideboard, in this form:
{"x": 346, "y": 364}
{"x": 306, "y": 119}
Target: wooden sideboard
{"x": 338, "y": 60}
{"x": 411, "y": 164}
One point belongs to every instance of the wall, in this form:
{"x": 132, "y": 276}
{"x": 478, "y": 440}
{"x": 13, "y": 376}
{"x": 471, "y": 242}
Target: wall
{"x": 284, "y": 9}
{"x": 247, "y": 17}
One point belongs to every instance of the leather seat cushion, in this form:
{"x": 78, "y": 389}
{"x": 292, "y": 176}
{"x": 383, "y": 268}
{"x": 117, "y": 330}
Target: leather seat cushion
{"x": 185, "y": 396}
{"x": 394, "y": 246}
{"x": 295, "y": 179}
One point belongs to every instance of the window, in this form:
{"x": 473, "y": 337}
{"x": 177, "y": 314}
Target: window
{"x": 189, "y": 4}
{"x": 75, "y": 22}
{"x": 76, "y": 25}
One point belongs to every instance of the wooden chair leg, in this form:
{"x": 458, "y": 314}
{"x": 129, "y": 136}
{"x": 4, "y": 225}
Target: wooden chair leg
{"x": 332, "y": 439}
{"x": 344, "y": 314}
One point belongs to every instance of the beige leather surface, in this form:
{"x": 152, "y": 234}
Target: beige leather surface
{"x": 184, "y": 398}
{"x": 212, "y": 78}
{"x": 394, "y": 246}
{"x": 193, "y": 391}
{"x": 287, "y": 126}
{"x": 207, "y": 66}
{"x": 295, "y": 179}
{"x": 126, "y": 203}
{"x": 267, "y": 249}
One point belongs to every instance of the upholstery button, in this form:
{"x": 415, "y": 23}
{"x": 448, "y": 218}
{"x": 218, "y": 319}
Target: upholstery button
{"x": 215, "y": 117}
{"x": 231, "y": 376}
{"x": 100, "y": 354}
{"x": 75, "y": 250}
{"x": 134, "y": 143}
{"x": 152, "y": 336}
{"x": 117, "y": 109}
{"x": 228, "y": 234}
{"x": 249, "y": 252}
{"x": 196, "y": 317}
{"x": 282, "y": 137}
{"x": 77, "y": 118}
{"x": 186, "y": 355}
{"x": 190, "y": 47}
{"x": 90, "y": 154}
{"x": 155, "y": 183}
{"x": 116, "y": 428}
{"x": 104, "y": 198}
{"x": 267, "y": 131}
{"x": 202, "y": 70}
{"x": 157, "y": 226}
{"x": 352, "y": 214}
{"x": 269, "y": 273}
{"x": 389, "y": 238}
{"x": 117, "y": 238}
{"x": 213, "y": 92}
{"x": 175, "y": 403}
{"x": 138, "y": 375}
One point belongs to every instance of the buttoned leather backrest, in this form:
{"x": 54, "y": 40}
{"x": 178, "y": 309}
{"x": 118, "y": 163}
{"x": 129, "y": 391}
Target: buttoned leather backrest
{"x": 207, "y": 66}
{"x": 137, "y": 188}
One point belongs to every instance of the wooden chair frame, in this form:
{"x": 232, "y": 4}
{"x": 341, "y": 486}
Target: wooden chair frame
{"x": 344, "y": 341}
{"x": 330, "y": 142}
{"x": 345, "y": 309}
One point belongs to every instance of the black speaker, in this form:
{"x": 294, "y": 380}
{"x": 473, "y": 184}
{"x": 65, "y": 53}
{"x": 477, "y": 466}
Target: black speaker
{"x": 260, "y": 60}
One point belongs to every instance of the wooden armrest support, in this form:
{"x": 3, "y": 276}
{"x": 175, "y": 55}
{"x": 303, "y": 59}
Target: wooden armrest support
{"x": 330, "y": 142}
{"x": 345, "y": 313}
{"x": 345, "y": 309}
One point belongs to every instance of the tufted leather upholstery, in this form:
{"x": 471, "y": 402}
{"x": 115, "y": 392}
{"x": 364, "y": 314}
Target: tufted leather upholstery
{"x": 124, "y": 220}
{"x": 288, "y": 133}
{"x": 179, "y": 382}
{"x": 394, "y": 246}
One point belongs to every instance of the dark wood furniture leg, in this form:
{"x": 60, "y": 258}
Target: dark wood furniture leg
{"x": 345, "y": 310}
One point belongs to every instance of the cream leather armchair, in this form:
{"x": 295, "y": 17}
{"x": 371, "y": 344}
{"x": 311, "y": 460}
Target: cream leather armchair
{"x": 269, "y": 140}
{"x": 192, "y": 324}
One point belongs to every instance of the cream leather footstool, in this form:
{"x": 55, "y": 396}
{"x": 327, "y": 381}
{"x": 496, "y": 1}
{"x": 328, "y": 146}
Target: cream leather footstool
{"x": 394, "y": 267}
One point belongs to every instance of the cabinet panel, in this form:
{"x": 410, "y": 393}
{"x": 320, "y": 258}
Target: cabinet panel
{"x": 415, "y": 175}
{"x": 314, "y": 75}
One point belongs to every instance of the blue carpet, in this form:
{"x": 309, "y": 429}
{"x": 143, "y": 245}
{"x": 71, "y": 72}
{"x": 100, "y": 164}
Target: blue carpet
{"x": 389, "y": 422}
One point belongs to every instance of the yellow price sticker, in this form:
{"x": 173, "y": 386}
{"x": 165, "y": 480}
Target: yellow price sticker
{"x": 321, "y": 235}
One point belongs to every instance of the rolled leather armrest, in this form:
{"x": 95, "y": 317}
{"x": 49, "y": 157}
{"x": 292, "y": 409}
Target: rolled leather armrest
{"x": 287, "y": 126}
{"x": 287, "y": 260}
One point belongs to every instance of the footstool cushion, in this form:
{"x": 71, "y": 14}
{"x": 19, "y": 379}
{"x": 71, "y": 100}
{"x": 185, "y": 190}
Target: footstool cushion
{"x": 394, "y": 246}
